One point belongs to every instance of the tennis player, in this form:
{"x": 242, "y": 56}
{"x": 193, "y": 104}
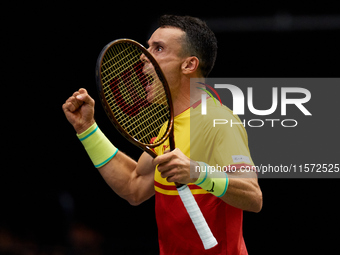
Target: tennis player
{"x": 185, "y": 48}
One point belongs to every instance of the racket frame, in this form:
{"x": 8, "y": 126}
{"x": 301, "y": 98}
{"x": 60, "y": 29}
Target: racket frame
{"x": 169, "y": 133}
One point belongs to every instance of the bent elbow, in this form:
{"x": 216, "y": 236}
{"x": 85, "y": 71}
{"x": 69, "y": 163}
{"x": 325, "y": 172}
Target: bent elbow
{"x": 258, "y": 208}
{"x": 134, "y": 202}
{"x": 136, "y": 199}
{"x": 254, "y": 203}
{"x": 258, "y": 203}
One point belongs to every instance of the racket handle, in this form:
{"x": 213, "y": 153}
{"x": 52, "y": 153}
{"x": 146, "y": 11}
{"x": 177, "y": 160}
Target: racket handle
{"x": 197, "y": 217}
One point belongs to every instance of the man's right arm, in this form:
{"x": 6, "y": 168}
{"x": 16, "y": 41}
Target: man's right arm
{"x": 131, "y": 180}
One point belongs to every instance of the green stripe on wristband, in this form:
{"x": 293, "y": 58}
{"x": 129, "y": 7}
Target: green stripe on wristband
{"x": 98, "y": 147}
{"x": 214, "y": 182}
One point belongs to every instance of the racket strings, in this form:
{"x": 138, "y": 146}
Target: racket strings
{"x": 117, "y": 66}
{"x": 158, "y": 98}
{"x": 141, "y": 111}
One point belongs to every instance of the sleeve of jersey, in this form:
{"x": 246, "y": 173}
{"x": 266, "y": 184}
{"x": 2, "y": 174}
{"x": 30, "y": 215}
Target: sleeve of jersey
{"x": 231, "y": 148}
{"x": 224, "y": 146}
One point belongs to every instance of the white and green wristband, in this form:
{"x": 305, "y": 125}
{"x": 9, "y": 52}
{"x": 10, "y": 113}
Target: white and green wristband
{"x": 98, "y": 147}
{"x": 214, "y": 182}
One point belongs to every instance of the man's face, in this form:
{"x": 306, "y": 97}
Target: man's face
{"x": 165, "y": 44}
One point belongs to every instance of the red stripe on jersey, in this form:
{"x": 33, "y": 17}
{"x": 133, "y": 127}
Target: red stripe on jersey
{"x": 173, "y": 187}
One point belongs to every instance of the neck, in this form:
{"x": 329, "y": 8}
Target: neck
{"x": 185, "y": 95}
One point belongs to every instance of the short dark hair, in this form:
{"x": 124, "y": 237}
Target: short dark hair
{"x": 200, "y": 40}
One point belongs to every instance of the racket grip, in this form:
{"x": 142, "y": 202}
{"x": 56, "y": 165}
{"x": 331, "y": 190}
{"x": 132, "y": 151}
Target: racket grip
{"x": 197, "y": 217}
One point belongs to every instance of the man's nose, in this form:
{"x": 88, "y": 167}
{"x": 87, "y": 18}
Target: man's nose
{"x": 143, "y": 58}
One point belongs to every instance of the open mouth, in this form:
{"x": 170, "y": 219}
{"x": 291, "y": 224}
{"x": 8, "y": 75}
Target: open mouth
{"x": 154, "y": 88}
{"x": 150, "y": 80}
{"x": 149, "y": 73}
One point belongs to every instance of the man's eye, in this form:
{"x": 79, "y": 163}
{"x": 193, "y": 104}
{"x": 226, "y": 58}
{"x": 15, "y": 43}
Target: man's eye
{"x": 159, "y": 48}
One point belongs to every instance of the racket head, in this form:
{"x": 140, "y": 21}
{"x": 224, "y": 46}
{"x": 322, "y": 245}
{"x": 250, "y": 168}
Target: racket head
{"x": 135, "y": 94}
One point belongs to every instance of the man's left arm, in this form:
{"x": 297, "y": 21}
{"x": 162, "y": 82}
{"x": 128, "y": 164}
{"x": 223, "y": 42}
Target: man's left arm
{"x": 243, "y": 191}
{"x": 237, "y": 188}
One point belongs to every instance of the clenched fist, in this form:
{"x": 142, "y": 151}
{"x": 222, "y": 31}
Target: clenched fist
{"x": 79, "y": 110}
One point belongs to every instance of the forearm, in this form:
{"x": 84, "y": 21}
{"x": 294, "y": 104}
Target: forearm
{"x": 239, "y": 189}
{"x": 243, "y": 192}
{"x": 117, "y": 173}
{"x": 126, "y": 179}
{"x": 129, "y": 179}
{"x": 121, "y": 173}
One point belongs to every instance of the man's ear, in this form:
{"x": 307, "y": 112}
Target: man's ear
{"x": 190, "y": 65}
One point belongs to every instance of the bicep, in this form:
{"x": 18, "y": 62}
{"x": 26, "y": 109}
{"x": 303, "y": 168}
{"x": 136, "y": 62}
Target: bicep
{"x": 129, "y": 179}
{"x": 142, "y": 182}
{"x": 144, "y": 165}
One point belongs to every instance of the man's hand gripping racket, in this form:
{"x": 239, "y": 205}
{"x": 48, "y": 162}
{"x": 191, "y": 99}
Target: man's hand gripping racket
{"x": 137, "y": 99}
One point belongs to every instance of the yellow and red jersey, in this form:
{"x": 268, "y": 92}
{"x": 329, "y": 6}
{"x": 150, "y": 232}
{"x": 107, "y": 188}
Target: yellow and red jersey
{"x": 222, "y": 145}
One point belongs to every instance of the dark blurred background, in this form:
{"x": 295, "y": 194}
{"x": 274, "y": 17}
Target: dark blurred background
{"x": 53, "y": 201}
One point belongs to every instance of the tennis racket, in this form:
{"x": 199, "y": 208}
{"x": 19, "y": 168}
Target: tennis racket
{"x": 137, "y": 99}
